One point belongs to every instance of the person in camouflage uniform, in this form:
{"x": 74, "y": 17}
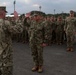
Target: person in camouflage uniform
{"x": 53, "y": 25}
{"x": 13, "y": 22}
{"x": 6, "y": 52}
{"x": 26, "y": 25}
{"x": 19, "y": 37}
{"x": 69, "y": 28}
{"x": 59, "y": 30}
{"x": 48, "y": 30}
{"x": 36, "y": 40}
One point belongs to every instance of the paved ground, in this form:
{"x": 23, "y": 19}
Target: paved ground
{"x": 56, "y": 60}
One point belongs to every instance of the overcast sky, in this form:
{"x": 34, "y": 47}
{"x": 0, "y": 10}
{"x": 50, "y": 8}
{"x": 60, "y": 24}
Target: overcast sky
{"x": 47, "y": 6}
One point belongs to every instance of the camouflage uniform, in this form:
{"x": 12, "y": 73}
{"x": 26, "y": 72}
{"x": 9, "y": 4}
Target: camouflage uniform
{"x": 26, "y": 26}
{"x": 6, "y": 52}
{"x": 19, "y": 35}
{"x": 14, "y": 36}
{"x": 59, "y": 31}
{"x": 53, "y": 23}
{"x": 48, "y": 30}
{"x": 70, "y": 30}
{"x": 36, "y": 37}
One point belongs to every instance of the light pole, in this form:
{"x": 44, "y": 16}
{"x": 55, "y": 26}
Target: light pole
{"x": 54, "y": 13}
{"x": 14, "y": 4}
{"x": 39, "y": 8}
{"x": 62, "y": 14}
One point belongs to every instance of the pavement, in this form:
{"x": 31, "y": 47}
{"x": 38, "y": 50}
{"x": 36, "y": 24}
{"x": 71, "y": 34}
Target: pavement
{"x": 57, "y": 61}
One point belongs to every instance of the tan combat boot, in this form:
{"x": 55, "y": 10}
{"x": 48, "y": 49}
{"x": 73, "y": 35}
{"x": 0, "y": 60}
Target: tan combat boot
{"x": 35, "y": 68}
{"x": 68, "y": 49}
{"x": 40, "y": 69}
{"x": 71, "y": 49}
{"x": 60, "y": 43}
